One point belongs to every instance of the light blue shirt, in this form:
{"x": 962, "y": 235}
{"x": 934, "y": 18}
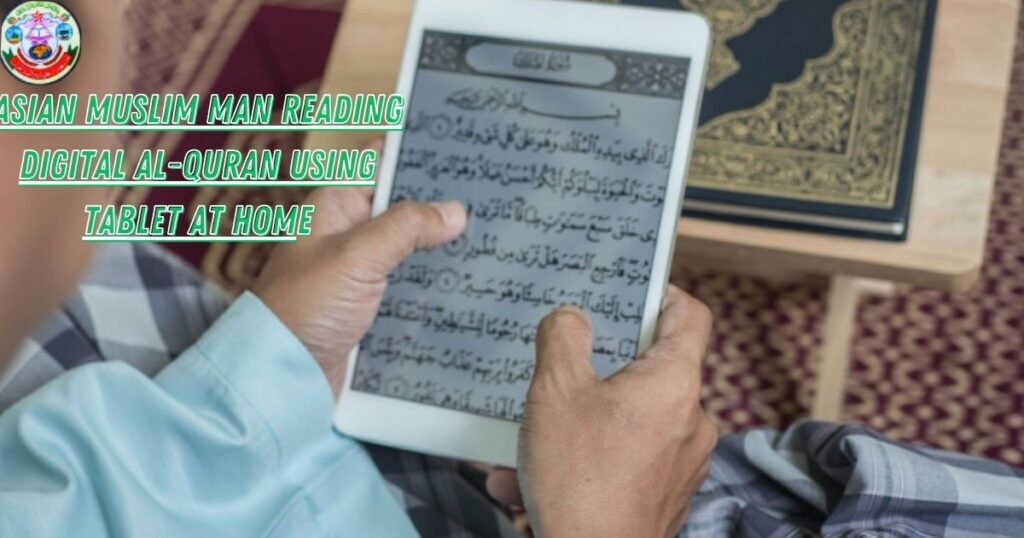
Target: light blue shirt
{"x": 234, "y": 438}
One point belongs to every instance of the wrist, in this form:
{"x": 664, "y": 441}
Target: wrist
{"x": 606, "y": 524}
{"x": 290, "y": 314}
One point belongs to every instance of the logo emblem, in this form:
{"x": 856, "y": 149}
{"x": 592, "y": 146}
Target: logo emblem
{"x": 41, "y": 42}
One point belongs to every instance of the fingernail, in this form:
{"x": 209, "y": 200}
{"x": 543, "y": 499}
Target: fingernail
{"x": 451, "y": 212}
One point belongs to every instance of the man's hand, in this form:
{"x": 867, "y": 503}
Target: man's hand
{"x": 622, "y": 456}
{"x": 327, "y": 288}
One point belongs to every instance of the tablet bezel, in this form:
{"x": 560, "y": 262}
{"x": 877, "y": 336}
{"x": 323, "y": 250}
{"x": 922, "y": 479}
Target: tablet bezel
{"x": 444, "y": 432}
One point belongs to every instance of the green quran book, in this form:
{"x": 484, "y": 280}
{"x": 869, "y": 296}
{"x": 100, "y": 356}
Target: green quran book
{"x": 811, "y": 114}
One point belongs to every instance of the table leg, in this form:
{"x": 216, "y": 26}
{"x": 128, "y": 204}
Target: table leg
{"x": 840, "y": 321}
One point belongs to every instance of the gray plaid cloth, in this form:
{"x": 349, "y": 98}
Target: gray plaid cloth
{"x": 143, "y": 306}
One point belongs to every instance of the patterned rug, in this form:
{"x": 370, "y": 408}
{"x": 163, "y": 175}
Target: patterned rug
{"x": 942, "y": 369}
{"x": 936, "y": 368}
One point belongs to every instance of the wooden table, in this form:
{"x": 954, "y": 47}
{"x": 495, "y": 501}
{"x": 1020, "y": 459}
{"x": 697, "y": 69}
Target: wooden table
{"x": 966, "y": 99}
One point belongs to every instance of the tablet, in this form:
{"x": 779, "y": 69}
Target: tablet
{"x": 566, "y": 130}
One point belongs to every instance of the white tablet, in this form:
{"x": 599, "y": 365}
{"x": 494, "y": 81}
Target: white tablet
{"x": 566, "y": 130}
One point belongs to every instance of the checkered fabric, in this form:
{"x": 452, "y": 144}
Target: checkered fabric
{"x": 819, "y": 479}
{"x": 143, "y": 306}
{"x": 139, "y": 305}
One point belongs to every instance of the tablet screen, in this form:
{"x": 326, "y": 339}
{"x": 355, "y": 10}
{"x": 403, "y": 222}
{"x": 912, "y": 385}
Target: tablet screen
{"x": 561, "y": 156}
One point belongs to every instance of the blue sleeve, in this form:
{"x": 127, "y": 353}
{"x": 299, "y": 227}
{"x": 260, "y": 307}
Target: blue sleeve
{"x": 233, "y": 439}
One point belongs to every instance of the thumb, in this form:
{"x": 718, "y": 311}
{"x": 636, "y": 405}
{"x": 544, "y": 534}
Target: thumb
{"x": 380, "y": 245}
{"x": 503, "y": 486}
{"x": 564, "y": 349}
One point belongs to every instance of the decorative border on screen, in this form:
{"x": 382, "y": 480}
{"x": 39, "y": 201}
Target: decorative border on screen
{"x": 635, "y": 72}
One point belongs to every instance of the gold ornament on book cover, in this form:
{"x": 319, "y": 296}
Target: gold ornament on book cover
{"x": 836, "y": 133}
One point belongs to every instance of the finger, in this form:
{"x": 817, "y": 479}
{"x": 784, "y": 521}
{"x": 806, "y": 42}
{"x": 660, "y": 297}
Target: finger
{"x": 381, "y": 244}
{"x": 680, "y": 341}
{"x": 377, "y": 146}
{"x": 338, "y": 210}
{"x": 366, "y": 193}
{"x": 565, "y": 344}
{"x": 675, "y": 309}
{"x": 503, "y": 486}
{"x": 341, "y": 209}
{"x": 683, "y": 333}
